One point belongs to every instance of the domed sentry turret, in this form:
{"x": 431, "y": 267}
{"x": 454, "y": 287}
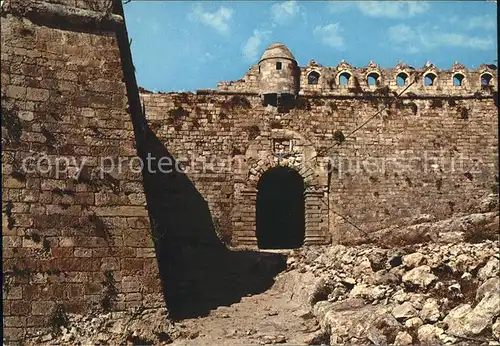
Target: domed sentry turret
{"x": 279, "y": 75}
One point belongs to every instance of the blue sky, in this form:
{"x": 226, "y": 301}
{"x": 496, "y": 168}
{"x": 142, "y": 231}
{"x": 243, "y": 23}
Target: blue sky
{"x": 188, "y": 45}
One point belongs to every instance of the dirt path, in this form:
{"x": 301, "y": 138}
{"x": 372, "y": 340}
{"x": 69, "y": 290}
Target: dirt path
{"x": 267, "y": 318}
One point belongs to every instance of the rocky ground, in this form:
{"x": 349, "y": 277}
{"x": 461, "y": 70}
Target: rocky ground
{"x": 429, "y": 294}
{"x": 420, "y": 294}
{"x": 434, "y": 293}
{"x": 272, "y": 317}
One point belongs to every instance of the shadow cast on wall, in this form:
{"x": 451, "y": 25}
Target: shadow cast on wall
{"x": 198, "y": 272}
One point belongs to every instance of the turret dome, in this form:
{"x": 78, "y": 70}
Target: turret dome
{"x": 277, "y": 51}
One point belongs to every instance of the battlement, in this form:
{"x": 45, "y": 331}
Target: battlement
{"x": 344, "y": 79}
{"x": 426, "y": 80}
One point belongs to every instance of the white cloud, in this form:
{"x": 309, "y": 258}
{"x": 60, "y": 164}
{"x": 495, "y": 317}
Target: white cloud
{"x": 481, "y": 22}
{"x": 381, "y": 9}
{"x": 476, "y": 22}
{"x": 339, "y": 6}
{"x": 460, "y": 40}
{"x": 392, "y": 9}
{"x": 415, "y": 8}
{"x": 330, "y": 35}
{"x": 253, "y": 46}
{"x": 219, "y": 20}
{"x": 401, "y": 33}
{"x": 285, "y": 11}
{"x": 413, "y": 40}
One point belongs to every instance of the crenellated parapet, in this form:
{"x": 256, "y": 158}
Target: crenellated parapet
{"x": 345, "y": 79}
{"x": 311, "y": 74}
{"x": 428, "y": 80}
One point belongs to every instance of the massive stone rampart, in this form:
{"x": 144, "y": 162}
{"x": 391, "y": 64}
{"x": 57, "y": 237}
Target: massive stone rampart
{"x": 369, "y": 159}
{"x": 76, "y": 237}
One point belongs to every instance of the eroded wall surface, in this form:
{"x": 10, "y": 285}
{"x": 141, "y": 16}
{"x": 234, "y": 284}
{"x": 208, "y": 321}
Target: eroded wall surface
{"x": 72, "y": 243}
{"x": 365, "y": 167}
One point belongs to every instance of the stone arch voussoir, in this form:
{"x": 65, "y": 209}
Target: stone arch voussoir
{"x": 298, "y": 154}
{"x": 260, "y": 167}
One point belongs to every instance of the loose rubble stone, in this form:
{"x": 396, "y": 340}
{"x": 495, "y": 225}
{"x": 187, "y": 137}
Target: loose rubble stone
{"x": 483, "y": 313}
{"x": 429, "y": 334}
{"x": 346, "y": 316}
{"x": 430, "y": 311}
{"x": 455, "y": 320}
{"x": 383, "y": 277}
{"x": 414, "y": 323}
{"x": 413, "y": 260}
{"x": 404, "y": 311}
{"x": 420, "y": 276}
{"x": 467, "y": 321}
{"x": 367, "y": 292}
{"x": 496, "y": 329}
{"x": 403, "y": 338}
{"x": 491, "y": 269}
{"x": 489, "y": 287}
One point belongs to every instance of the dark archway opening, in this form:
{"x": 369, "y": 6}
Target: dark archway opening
{"x": 280, "y": 209}
{"x": 313, "y": 78}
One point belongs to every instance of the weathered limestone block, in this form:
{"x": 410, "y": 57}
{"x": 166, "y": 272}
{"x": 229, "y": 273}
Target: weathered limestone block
{"x": 420, "y": 276}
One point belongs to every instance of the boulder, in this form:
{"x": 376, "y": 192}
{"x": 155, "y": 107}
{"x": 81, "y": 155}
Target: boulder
{"x": 383, "y": 329}
{"x": 488, "y": 204}
{"x": 430, "y": 311}
{"x": 484, "y": 312}
{"x": 429, "y": 334}
{"x": 414, "y": 323}
{"x": 417, "y": 300}
{"x": 351, "y": 319}
{"x": 377, "y": 258}
{"x": 382, "y": 277}
{"x": 320, "y": 291}
{"x": 367, "y": 292}
{"x": 491, "y": 269}
{"x": 413, "y": 260}
{"x": 400, "y": 296}
{"x": 404, "y": 311}
{"x": 376, "y": 336}
{"x": 363, "y": 270}
{"x": 467, "y": 321}
{"x": 420, "y": 276}
{"x": 495, "y": 328}
{"x": 490, "y": 286}
{"x": 403, "y": 338}
{"x": 461, "y": 263}
{"x": 455, "y": 320}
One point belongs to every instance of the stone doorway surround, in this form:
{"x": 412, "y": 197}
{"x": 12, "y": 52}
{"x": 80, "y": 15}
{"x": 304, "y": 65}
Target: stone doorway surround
{"x": 280, "y": 147}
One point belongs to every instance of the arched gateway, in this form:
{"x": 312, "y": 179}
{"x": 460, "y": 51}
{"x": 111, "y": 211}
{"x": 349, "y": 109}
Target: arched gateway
{"x": 280, "y": 209}
{"x": 281, "y": 193}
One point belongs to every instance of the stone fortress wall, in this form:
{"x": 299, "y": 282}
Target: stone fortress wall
{"x": 71, "y": 244}
{"x": 429, "y": 131}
